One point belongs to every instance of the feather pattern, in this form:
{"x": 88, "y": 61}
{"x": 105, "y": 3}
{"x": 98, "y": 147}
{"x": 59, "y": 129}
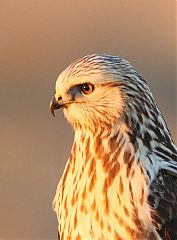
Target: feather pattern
{"x": 120, "y": 181}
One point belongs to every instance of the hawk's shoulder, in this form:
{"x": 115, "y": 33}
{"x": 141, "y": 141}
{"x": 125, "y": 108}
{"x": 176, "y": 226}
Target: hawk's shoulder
{"x": 163, "y": 201}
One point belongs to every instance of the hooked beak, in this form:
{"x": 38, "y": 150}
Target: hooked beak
{"x": 54, "y": 104}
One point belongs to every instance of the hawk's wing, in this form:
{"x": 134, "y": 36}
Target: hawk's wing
{"x": 163, "y": 200}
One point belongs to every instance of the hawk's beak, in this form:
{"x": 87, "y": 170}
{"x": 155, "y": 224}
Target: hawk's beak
{"x": 54, "y": 104}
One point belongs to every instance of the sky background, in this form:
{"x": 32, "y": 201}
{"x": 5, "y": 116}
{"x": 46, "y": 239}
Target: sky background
{"x": 38, "y": 39}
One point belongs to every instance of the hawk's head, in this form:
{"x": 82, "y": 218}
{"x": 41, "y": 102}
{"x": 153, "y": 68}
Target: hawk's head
{"x": 101, "y": 90}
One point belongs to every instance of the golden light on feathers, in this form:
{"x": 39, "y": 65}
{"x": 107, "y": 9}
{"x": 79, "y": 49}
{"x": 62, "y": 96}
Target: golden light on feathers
{"x": 117, "y": 166}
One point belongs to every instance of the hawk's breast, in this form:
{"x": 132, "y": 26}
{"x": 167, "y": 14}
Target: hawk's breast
{"x": 98, "y": 196}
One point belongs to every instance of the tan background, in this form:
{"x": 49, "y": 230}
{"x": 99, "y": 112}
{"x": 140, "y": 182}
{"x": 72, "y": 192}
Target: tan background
{"x": 38, "y": 39}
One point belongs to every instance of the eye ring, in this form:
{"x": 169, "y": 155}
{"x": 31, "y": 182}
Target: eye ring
{"x": 86, "y": 88}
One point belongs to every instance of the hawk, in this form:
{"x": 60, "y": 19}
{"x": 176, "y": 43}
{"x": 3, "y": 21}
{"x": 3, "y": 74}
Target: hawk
{"x": 120, "y": 181}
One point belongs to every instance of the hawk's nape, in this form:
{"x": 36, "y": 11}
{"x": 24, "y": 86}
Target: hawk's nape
{"x": 120, "y": 181}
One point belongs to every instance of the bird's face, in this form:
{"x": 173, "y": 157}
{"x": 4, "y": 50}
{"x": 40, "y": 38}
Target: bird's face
{"x": 103, "y": 90}
{"x": 89, "y": 98}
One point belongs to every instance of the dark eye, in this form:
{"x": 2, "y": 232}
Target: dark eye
{"x": 86, "y": 88}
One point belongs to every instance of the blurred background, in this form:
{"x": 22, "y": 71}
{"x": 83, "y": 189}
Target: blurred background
{"x": 38, "y": 39}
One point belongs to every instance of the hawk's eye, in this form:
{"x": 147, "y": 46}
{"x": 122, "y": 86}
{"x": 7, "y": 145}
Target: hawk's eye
{"x": 86, "y": 88}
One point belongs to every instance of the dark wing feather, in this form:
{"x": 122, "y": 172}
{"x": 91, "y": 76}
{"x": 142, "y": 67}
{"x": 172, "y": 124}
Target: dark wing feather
{"x": 163, "y": 201}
